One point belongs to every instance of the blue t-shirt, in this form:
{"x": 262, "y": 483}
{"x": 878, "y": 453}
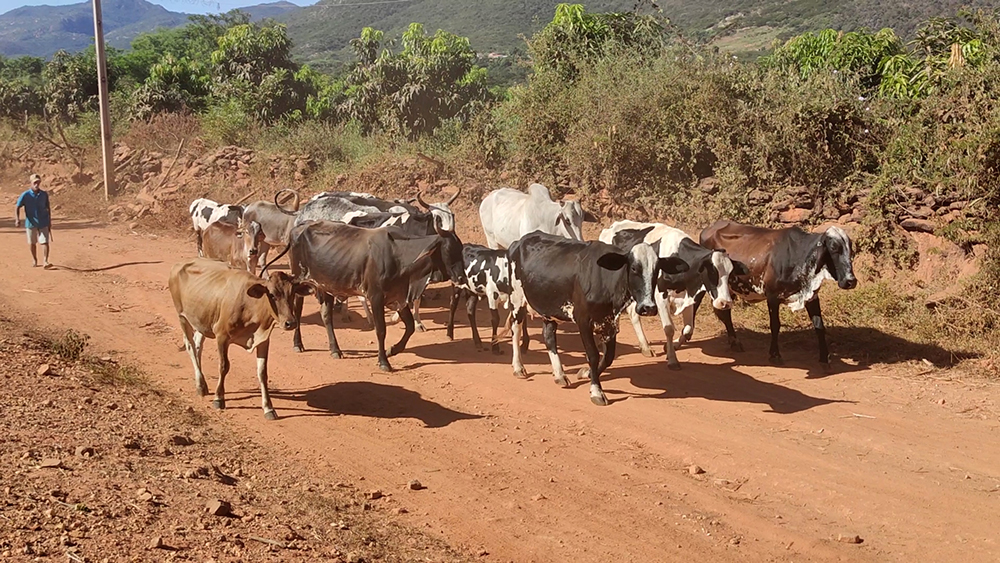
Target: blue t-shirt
{"x": 36, "y": 208}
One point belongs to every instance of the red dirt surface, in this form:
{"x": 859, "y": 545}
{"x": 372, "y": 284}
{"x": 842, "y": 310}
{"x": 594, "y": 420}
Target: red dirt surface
{"x": 794, "y": 462}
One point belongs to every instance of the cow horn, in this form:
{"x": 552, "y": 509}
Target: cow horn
{"x": 420, "y": 200}
{"x": 454, "y": 197}
{"x": 295, "y": 200}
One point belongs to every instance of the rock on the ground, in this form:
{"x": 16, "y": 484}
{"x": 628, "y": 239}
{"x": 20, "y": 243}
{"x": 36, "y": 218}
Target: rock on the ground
{"x": 179, "y": 440}
{"x": 374, "y": 494}
{"x": 796, "y": 215}
{"x": 695, "y": 470}
{"x": 415, "y": 485}
{"x": 157, "y": 543}
{"x": 84, "y": 451}
{"x": 45, "y": 369}
{"x": 921, "y": 225}
{"x": 849, "y": 538}
{"x": 219, "y": 508}
{"x": 51, "y": 462}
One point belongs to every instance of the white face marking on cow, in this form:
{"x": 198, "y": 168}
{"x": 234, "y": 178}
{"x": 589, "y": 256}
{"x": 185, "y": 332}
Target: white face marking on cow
{"x": 724, "y": 266}
{"x": 643, "y": 256}
{"x": 443, "y": 216}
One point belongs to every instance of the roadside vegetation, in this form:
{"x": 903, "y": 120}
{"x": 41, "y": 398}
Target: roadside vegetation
{"x": 621, "y": 108}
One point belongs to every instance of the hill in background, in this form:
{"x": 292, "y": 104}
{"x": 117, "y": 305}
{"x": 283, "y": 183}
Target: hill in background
{"x": 42, "y": 30}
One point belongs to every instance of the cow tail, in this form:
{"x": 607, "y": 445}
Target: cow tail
{"x": 505, "y": 331}
{"x": 276, "y": 258}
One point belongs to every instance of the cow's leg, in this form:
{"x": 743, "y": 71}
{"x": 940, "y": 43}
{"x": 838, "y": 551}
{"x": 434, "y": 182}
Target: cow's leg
{"x": 518, "y": 321}
{"x": 549, "y": 335}
{"x": 772, "y": 309}
{"x": 687, "y": 333}
{"x": 812, "y": 307}
{"x": 610, "y": 346}
{"x": 639, "y": 334}
{"x": 495, "y": 322}
{"x": 726, "y": 316}
{"x": 265, "y": 397}
{"x": 326, "y": 313}
{"x": 262, "y": 251}
{"x": 524, "y": 334}
{"x": 456, "y": 294}
{"x": 193, "y": 343}
{"x": 197, "y": 236}
{"x": 470, "y": 310}
{"x": 220, "y": 389}
{"x": 297, "y": 335}
{"x": 665, "y": 308}
{"x": 593, "y": 362}
{"x": 378, "y": 317}
{"x": 407, "y": 317}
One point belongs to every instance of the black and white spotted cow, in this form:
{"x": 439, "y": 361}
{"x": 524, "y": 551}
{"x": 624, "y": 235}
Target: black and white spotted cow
{"x": 488, "y": 274}
{"x": 588, "y": 283}
{"x": 204, "y": 212}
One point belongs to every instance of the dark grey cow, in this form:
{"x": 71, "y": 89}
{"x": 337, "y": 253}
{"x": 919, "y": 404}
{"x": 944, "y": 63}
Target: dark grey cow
{"x": 488, "y": 274}
{"x": 588, "y": 283}
{"x": 378, "y": 264}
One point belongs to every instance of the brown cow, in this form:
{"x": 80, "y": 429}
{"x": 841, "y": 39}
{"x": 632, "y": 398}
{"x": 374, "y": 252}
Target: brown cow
{"x": 233, "y": 307}
{"x": 236, "y": 245}
{"x": 786, "y": 266}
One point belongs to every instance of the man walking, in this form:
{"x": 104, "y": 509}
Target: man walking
{"x": 37, "y": 219}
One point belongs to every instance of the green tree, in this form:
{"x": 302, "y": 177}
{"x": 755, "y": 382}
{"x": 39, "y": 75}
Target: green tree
{"x": 70, "y": 84}
{"x": 431, "y": 79}
{"x": 173, "y": 85}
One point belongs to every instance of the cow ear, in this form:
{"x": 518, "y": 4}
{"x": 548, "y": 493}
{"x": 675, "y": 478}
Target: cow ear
{"x": 612, "y": 261}
{"x": 740, "y": 269}
{"x": 257, "y": 290}
{"x": 303, "y": 289}
{"x": 672, "y": 265}
{"x": 589, "y": 217}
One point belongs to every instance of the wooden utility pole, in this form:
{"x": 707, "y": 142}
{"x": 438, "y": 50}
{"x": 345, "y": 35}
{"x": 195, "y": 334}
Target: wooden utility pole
{"x": 102, "y": 92}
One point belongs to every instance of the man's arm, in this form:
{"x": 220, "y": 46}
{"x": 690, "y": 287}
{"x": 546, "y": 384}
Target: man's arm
{"x": 17, "y": 211}
{"x": 48, "y": 211}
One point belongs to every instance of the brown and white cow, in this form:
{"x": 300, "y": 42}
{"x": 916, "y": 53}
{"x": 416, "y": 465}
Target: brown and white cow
{"x": 233, "y": 307}
{"x": 786, "y": 266}
{"x": 236, "y": 245}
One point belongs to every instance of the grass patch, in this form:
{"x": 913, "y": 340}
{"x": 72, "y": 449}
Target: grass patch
{"x": 71, "y": 346}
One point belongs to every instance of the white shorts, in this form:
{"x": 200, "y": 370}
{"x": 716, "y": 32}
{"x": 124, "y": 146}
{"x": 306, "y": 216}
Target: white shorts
{"x": 39, "y": 235}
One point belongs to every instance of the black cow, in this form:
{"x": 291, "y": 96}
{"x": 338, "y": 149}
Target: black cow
{"x": 786, "y": 266}
{"x": 379, "y": 264}
{"x": 488, "y": 274}
{"x": 588, "y": 283}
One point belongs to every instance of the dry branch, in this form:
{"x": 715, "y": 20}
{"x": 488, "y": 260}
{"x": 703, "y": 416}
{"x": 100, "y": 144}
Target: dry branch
{"x": 171, "y": 167}
{"x": 267, "y": 541}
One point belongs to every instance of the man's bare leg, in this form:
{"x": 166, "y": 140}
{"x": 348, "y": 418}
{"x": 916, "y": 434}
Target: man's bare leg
{"x": 34, "y": 255}
{"x": 45, "y": 255}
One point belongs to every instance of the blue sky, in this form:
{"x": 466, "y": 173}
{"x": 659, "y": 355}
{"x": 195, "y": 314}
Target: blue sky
{"x": 186, "y": 6}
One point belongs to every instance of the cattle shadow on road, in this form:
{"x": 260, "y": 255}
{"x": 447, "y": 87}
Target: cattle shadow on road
{"x": 863, "y": 346}
{"x": 372, "y": 400}
{"x": 58, "y": 225}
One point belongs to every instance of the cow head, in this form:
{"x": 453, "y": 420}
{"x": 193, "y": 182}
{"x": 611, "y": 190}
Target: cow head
{"x": 246, "y": 245}
{"x": 836, "y": 257}
{"x": 644, "y": 268}
{"x": 714, "y": 277}
{"x": 569, "y": 222}
{"x": 449, "y": 260}
{"x": 280, "y": 289}
{"x": 444, "y": 219}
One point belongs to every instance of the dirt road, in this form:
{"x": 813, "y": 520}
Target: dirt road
{"x": 532, "y": 472}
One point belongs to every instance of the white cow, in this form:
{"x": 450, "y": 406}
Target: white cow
{"x": 508, "y": 214}
{"x": 204, "y": 212}
{"x": 709, "y": 270}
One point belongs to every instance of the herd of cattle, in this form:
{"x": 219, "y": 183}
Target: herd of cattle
{"x": 385, "y": 253}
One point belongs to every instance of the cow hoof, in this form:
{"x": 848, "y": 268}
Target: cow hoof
{"x": 826, "y": 367}
{"x": 298, "y": 348}
{"x": 562, "y": 381}
{"x": 450, "y": 336}
{"x": 647, "y": 352}
{"x": 599, "y": 400}
{"x": 270, "y": 415}
{"x": 736, "y": 346}
{"x": 394, "y": 350}
{"x": 777, "y": 361}
{"x": 219, "y": 404}
{"x": 676, "y": 366}
{"x": 337, "y": 355}
{"x": 385, "y": 367}
{"x": 584, "y": 373}
{"x": 201, "y": 391}
{"x": 521, "y": 373}
{"x": 420, "y": 327}
{"x": 496, "y": 350}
